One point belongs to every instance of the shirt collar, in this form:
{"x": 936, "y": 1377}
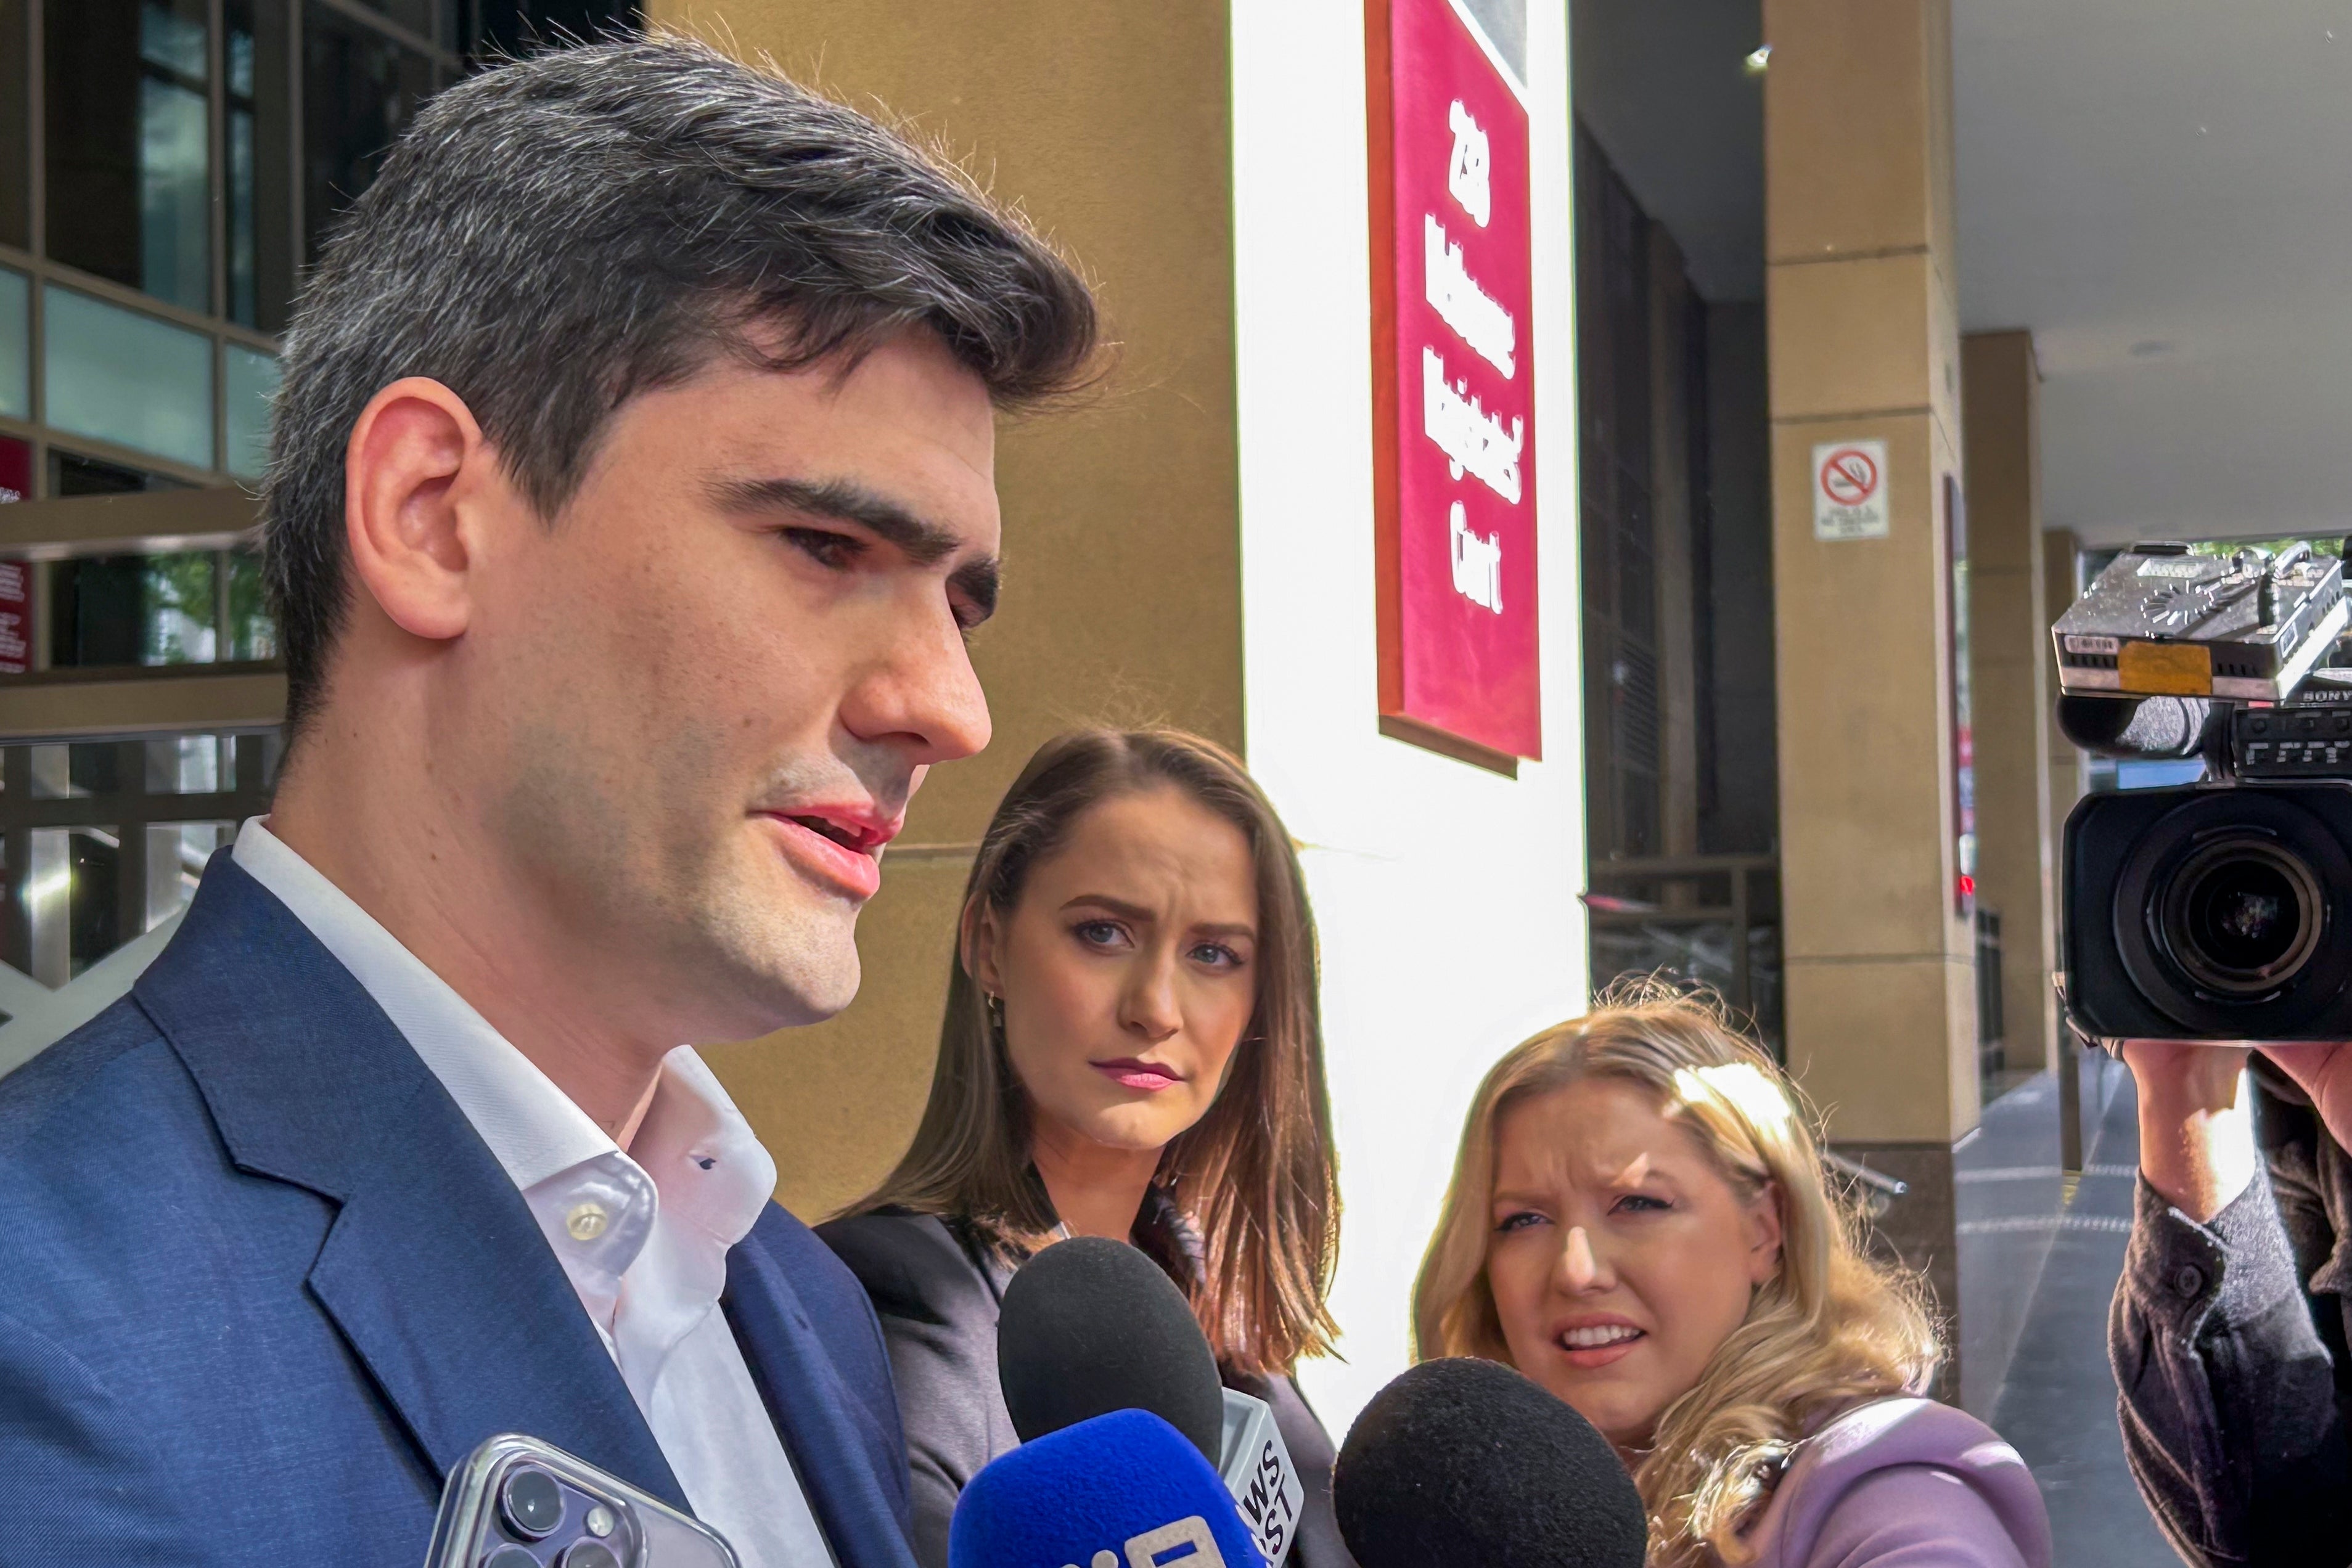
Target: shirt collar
{"x": 703, "y": 1158}
{"x": 533, "y": 1128}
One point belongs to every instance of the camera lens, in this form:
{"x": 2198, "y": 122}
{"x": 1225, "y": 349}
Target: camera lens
{"x": 590, "y": 1554}
{"x": 532, "y": 1502}
{"x": 2242, "y": 915}
{"x": 511, "y": 1556}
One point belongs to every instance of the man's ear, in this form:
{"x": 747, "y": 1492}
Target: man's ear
{"x": 977, "y": 938}
{"x": 414, "y": 456}
{"x": 1764, "y": 1234}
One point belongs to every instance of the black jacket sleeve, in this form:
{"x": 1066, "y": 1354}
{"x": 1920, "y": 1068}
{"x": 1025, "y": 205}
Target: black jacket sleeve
{"x": 939, "y": 1321}
{"x": 2231, "y": 1420}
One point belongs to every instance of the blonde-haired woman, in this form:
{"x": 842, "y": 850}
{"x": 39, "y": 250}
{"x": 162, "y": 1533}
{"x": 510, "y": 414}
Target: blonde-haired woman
{"x": 1639, "y": 1222}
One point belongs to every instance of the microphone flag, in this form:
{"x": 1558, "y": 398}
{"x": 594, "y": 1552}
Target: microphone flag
{"x": 1121, "y": 1490}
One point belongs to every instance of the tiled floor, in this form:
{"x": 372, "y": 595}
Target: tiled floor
{"x": 2058, "y": 1403}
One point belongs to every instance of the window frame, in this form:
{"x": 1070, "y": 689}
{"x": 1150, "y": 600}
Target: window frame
{"x": 41, "y": 272}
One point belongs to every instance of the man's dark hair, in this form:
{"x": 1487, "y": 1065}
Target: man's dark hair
{"x": 556, "y": 236}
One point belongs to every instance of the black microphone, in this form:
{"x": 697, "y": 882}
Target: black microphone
{"x": 1090, "y": 1326}
{"x": 1464, "y": 1463}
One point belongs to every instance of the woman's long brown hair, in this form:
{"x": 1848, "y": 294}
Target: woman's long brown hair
{"x": 1255, "y": 1176}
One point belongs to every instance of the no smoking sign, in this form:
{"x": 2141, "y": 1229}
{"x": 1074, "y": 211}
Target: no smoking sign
{"x": 1850, "y": 490}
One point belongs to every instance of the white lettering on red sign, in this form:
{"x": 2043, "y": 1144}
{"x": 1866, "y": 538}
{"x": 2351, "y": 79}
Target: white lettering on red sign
{"x": 1475, "y": 316}
{"x": 1473, "y": 441}
{"x": 1477, "y": 563}
{"x": 15, "y": 617}
{"x": 1466, "y": 169}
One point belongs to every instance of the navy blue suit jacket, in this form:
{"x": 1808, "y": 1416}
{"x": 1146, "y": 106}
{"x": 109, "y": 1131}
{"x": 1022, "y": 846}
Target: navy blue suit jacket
{"x": 262, "y": 1286}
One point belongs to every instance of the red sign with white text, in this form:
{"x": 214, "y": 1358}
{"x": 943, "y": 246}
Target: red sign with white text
{"x": 1455, "y": 379}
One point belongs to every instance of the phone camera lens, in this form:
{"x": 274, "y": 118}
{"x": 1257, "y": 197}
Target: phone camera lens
{"x": 590, "y": 1554}
{"x": 532, "y": 1502}
{"x": 511, "y": 1556}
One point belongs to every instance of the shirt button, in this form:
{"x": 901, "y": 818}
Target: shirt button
{"x": 2187, "y": 1279}
{"x": 586, "y": 1221}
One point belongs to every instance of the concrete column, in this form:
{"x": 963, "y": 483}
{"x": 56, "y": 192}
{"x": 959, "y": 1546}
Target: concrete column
{"x": 2060, "y": 549}
{"x": 1110, "y": 126}
{"x": 1863, "y": 327}
{"x": 2009, "y": 651}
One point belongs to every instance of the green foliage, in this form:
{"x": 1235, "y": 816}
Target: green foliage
{"x": 2333, "y": 545}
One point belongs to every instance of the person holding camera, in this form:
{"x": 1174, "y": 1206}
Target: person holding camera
{"x": 2229, "y": 1329}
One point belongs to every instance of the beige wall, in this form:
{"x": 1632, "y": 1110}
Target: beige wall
{"x": 1108, "y": 125}
{"x": 2009, "y": 646}
{"x": 1862, "y": 317}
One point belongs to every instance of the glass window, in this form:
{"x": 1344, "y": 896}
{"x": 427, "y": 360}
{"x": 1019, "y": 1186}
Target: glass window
{"x": 176, "y": 853}
{"x": 72, "y": 474}
{"x": 192, "y": 607}
{"x": 134, "y": 609}
{"x": 179, "y": 596}
{"x": 360, "y": 90}
{"x": 70, "y": 900}
{"x": 114, "y": 375}
{"x": 16, "y": 127}
{"x": 259, "y": 175}
{"x": 425, "y": 19}
{"x": 147, "y": 816}
{"x": 252, "y": 631}
{"x": 96, "y": 616}
{"x": 15, "y": 345}
{"x": 75, "y": 772}
{"x": 128, "y": 144}
{"x": 249, "y": 381}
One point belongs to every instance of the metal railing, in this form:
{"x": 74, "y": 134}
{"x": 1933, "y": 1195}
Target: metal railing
{"x": 1709, "y": 919}
{"x": 1992, "y": 1054}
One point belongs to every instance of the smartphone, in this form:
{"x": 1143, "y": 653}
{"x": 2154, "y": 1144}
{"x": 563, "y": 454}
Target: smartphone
{"x": 517, "y": 1502}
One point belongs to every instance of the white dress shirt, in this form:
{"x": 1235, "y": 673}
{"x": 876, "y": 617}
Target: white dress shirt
{"x": 644, "y": 1240}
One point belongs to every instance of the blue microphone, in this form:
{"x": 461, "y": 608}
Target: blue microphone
{"x": 1122, "y": 1490}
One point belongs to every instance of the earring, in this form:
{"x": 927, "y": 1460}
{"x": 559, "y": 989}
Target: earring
{"x": 996, "y": 1014}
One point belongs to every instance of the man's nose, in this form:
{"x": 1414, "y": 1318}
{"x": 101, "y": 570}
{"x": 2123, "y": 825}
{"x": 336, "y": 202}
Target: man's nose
{"x": 926, "y": 699}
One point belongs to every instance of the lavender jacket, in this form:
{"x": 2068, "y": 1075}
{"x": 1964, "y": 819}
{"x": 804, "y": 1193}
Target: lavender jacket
{"x": 1904, "y": 1483}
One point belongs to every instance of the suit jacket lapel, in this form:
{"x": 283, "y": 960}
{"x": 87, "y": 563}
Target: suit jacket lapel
{"x": 434, "y": 1269}
{"x": 824, "y": 1428}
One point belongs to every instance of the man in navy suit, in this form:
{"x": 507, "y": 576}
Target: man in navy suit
{"x": 631, "y": 504}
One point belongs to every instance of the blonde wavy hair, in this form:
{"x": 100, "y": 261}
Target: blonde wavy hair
{"x": 1832, "y": 1330}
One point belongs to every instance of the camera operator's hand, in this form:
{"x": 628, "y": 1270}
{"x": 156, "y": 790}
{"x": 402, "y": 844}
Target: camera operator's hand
{"x": 2196, "y": 1137}
{"x": 2323, "y": 1072}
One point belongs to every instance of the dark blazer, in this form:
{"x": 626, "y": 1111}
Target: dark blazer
{"x": 264, "y": 1286}
{"x": 938, "y": 1286}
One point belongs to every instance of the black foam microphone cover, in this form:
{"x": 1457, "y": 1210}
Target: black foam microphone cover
{"x": 1090, "y": 1325}
{"x": 2140, "y": 728}
{"x": 1464, "y": 1463}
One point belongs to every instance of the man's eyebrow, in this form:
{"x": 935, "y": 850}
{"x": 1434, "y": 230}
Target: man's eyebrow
{"x": 844, "y": 500}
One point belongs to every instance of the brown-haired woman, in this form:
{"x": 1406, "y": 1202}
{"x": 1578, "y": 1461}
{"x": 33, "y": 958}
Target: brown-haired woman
{"x": 1132, "y": 1048}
